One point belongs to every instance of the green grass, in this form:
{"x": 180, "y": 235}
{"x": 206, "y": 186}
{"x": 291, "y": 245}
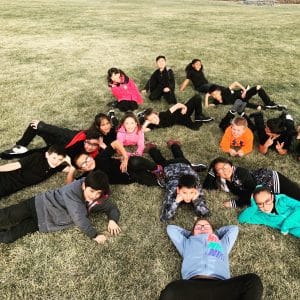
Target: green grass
{"x": 54, "y": 56}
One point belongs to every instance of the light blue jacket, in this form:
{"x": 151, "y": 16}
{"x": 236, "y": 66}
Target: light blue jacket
{"x": 204, "y": 254}
{"x": 287, "y": 220}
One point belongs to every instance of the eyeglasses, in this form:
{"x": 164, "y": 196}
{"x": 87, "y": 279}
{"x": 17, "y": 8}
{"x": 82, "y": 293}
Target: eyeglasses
{"x": 202, "y": 226}
{"x": 84, "y": 164}
{"x": 266, "y": 202}
{"x": 91, "y": 144}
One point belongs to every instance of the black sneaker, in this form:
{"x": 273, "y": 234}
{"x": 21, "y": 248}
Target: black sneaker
{"x": 140, "y": 114}
{"x": 204, "y": 119}
{"x": 111, "y": 114}
{"x": 271, "y": 105}
{"x": 198, "y": 167}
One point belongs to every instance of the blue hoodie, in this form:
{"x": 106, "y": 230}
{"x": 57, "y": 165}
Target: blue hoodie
{"x": 287, "y": 219}
{"x": 204, "y": 254}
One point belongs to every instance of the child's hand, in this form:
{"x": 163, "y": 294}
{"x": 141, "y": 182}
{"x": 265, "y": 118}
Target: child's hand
{"x": 240, "y": 153}
{"x": 232, "y": 152}
{"x": 144, "y": 92}
{"x": 179, "y": 198}
{"x": 100, "y": 238}
{"x": 279, "y": 146}
{"x": 183, "y": 110}
{"x": 227, "y": 204}
{"x": 113, "y": 228}
{"x": 34, "y": 124}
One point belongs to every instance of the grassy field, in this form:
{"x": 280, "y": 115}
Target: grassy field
{"x": 54, "y": 56}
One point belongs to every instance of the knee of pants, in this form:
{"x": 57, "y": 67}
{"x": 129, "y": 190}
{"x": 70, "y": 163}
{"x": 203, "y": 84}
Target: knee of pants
{"x": 255, "y": 282}
{"x": 5, "y": 237}
{"x": 169, "y": 293}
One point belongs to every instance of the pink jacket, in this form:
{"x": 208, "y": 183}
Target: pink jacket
{"x": 135, "y": 138}
{"x": 127, "y": 91}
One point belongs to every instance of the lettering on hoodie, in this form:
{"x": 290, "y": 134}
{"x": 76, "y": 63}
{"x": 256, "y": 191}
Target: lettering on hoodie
{"x": 214, "y": 247}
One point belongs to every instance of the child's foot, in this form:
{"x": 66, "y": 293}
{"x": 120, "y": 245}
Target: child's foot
{"x": 198, "y": 167}
{"x": 171, "y": 142}
{"x": 140, "y": 114}
{"x": 111, "y": 114}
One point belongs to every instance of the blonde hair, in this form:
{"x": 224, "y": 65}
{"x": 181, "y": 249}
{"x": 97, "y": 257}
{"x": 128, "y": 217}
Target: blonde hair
{"x": 239, "y": 121}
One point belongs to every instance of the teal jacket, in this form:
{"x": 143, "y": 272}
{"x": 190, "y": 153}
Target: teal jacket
{"x": 287, "y": 220}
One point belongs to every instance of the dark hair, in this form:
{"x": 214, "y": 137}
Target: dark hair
{"x": 75, "y": 159}
{"x": 97, "y": 122}
{"x": 188, "y": 181}
{"x": 190, "y": 65}
{"x": 219, "y": 160}
{"x": 213, "y": 88}
{"x": 159, "y": 57}
{"x": 130, "y": 115}
{"x": 92, "y": 134}
{"x": 148, "y": 112}
{"x": 112, "y": 71}
{"x": 276, "y": 125}
{"x": 97, "y": 180}
{"x": 58, "y": 149}
{"x": 259, "y": 189}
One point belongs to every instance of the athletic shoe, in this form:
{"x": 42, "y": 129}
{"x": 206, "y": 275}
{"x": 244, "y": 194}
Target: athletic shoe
{"x": 271, "y": 105}
{"x": 111, "y": 114}
{"x": 198, "y": 167}
{"x": 171, "y": 142}
{"x": 160, "y": 176}
{"x": 140, "y": 114}
{"x": 204, "y": 119}
{"x": 18, "y": 149}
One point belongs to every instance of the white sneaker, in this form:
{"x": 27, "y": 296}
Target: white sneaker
{"x": 18, "y": 149}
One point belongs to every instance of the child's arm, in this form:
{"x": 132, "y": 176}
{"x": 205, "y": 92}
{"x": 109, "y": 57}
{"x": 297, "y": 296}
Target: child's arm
{"x": 10, "y": 167}
{"x": 170, "y": 204}
{"x": 118, "y": 147}
{"x": 140, "y": 143}
{"x": 177, "y": 106}
{"x": 200, "y": 204}
{"x": 236, "y": 85}
{"x": 248, "y": 143}
{"x": 226, "y": 140}
{"x": 145, "y": 126}
{"x": 171, "y": 80}
{"x": 184, "y": 85}
{"x": 178, "y": 236}
{"x": 206, "y": 98}
{"x": 228, "y": 235}
{"x": 71, "y": 175}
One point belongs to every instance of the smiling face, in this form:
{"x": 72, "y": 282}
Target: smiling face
{"x": 105, "y": 126}
{"x": 197, "y": 65}
{"x": 202, "y": 227}
{"x": 130, "y": 124}
{"x": 54, "y": 160}
{"x": 85, "y": 163}
{"x": 90, "y": 194}
{"x": 115, "y": 77}
{"x": 237, "y": 131}
{"x": 91, "y": 145}
{"x": 265, "y": 201}
{"x": 223, "y": 170}
{"x": 161, "y": 63}
{"x": 217, "y": 95}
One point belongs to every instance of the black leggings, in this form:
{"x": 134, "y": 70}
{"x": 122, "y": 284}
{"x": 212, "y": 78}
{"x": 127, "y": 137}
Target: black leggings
{"x": 288, "y": 187}
{"x": 261, "y": 93}
{"x": 51, "y": 134}
{"x": 140, "y": 170}
{"x": 158, "y": 92}
{"x": 126, "y": 105}
{"x": 178, "y": 155}
{"x": 244, "y": 287}
{"x": 18, "y": 220}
